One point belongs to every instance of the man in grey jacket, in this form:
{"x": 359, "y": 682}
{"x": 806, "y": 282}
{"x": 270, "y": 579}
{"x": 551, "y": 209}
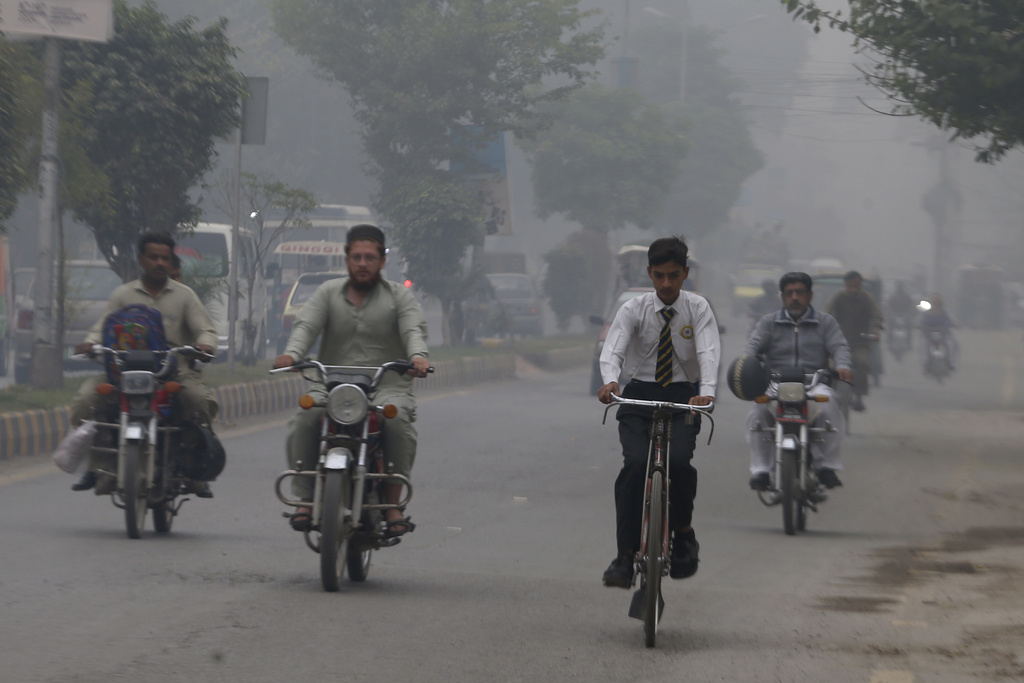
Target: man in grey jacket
{"x": 798, "y": 335}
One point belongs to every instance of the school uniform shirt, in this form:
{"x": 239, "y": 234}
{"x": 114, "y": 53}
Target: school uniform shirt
{"x": 632, "y": 342}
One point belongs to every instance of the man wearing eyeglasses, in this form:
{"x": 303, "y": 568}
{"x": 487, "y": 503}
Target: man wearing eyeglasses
{"x": 365, "y": 320}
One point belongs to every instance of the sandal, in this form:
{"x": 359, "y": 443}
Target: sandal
{"x": 301, "y": 519}
{"x": 398, "y": 527}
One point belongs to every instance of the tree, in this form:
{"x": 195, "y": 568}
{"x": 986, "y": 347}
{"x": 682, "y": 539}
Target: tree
{"x": 954, "y": 63}
{"x": 419, "y": 70}
{"x": 15, "y": 131}
{"x": 275, "y": 209}
{"x": 610, "y": 160}
{"x": 162, "y": 94}
{"x": 722, "y": 154}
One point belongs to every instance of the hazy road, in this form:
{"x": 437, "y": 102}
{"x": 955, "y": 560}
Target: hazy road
{"x": 501, "y": 580}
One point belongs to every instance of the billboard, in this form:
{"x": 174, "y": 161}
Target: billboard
{"x": 74, "y": 19}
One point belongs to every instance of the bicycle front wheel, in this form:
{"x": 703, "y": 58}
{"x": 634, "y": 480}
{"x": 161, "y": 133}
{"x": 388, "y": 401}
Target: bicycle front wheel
{"x": 655, "y": 558}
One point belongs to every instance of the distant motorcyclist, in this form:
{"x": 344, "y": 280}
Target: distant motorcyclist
{"x": 901, "y": 309}
{"x": 860, "y": 319}
{"x": 935, "y": 318}
{"x": 798, "y": 335}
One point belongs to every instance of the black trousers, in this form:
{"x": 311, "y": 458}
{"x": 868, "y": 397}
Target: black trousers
{"x": 635, "y": 437}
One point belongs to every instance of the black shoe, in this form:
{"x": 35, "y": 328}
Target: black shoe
{"x": 619, "y": 573}
{"x": 828, "y": 478}
{"x": 761, "y": 482}
{"x": 857, "y": 405}
{"x": 684, "y": 555}
{"x": 87, "y": 481}
{"x": 200, "y": 488}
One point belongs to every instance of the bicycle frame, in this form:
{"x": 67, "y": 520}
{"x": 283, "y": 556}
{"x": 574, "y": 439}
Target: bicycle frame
{"x": 652, "y": 563}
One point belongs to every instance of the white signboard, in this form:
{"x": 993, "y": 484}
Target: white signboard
{"x": 74, "y": 19}
{"x": 309, "y": 247}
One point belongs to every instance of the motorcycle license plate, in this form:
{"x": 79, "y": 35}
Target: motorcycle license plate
{"x": 133, "y": 432}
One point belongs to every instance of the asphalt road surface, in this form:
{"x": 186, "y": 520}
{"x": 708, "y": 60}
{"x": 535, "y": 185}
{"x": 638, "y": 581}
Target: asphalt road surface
{"x": 910, "y": 572}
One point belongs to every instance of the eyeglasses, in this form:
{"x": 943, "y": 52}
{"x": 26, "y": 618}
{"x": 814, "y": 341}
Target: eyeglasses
{"x": 363, "y": 258}
{"x": 795, "y": 292}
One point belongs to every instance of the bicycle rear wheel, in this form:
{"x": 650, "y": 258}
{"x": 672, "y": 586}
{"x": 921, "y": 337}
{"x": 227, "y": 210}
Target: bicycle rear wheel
{"x": 653, "y": 562}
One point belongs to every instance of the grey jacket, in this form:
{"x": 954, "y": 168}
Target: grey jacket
{"x": 808, "y": 343}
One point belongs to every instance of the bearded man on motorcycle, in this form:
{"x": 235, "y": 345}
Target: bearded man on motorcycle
{"x": 186, "y": 322}
{"x": 365, "y": 320}
{"x": 799, "y": 336}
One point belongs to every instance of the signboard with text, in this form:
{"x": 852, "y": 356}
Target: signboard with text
{"x": 73, "y": 19}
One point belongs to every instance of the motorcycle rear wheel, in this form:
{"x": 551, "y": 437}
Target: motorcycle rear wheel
{"x": 787, "y": 485}
{"x": 333, "y": 534}
{"x": 134, "y": 489}
{"x": 654, "y": 563}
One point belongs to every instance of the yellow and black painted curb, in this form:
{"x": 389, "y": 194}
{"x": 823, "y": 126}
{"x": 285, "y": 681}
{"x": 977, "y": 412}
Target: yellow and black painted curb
{"x": 33, "y": 432}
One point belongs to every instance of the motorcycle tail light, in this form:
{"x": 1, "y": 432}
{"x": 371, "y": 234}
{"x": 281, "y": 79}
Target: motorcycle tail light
{"x": 172, "y": 387}
{"x": 306, "y": 402}
{"x": 105, "y": 389}
{"x": 390, "y": 410}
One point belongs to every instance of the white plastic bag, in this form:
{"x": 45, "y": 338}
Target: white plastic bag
{"x": 71, "y": 454}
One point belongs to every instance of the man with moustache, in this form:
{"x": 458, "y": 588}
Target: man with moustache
{"x": 185, "y": 321}
{"x": 365, "y": 320}
{"x": 798, "y": 335}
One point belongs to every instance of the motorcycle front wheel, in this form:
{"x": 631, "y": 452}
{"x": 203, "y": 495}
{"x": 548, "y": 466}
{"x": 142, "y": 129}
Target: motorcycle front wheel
{"x": 333, "y": 534}
{"x": 787, "y": 485}
{"x": 134, "y": 489}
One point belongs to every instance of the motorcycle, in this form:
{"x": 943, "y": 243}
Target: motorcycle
{"x": 899, "y": 338}
{"x": 795, "y": 484}
{"x": 936, "y": 363}
{"x": 158, "y": 454}
{"x": 348, "y": 505}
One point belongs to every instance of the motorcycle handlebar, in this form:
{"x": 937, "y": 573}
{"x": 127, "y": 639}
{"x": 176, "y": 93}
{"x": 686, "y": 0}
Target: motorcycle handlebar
{"x": 399, "y": 366}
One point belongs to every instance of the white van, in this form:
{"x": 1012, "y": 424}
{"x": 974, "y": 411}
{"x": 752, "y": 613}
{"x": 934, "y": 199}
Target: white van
{"x": 206, "y": 262}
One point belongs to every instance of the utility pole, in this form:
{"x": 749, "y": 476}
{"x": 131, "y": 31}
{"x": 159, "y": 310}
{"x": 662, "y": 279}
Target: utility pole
{"x": 47, "y": 371}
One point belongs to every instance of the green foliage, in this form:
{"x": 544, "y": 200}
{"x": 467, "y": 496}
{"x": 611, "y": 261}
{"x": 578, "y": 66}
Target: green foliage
{"x": 419, "y": 69}
{"x": 15, "y": 134}
{"x": 609, "y": 160}
{"x": 722, "y": 154}
{"x": 957, "y": 64}
{"x": 162, "y": 94}
{"x": 205, "y": 279}
{"x": 563, "y": 283}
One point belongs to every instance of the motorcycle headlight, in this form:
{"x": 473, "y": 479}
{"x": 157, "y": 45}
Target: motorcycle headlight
{"x": 347, "y": 404}
{"x": 791, "y": 392}
{"x": 135, "y": 382}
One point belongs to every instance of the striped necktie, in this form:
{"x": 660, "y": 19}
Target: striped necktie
{"x": 663, "y": 369}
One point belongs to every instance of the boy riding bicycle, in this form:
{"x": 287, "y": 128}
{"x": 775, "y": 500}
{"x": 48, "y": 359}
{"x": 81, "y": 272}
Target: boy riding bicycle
{"x": 667, "y": 342}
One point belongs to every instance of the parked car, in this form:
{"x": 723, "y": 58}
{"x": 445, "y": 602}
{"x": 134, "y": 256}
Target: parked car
{"x": 516, "y": 308}
{"x": 297, "y": 297}
{"x": 89, "y": 286}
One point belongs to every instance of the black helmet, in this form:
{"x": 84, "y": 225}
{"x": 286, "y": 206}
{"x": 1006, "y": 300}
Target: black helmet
{"x": 747, "y": 378}
{"x": 202, "y": 454}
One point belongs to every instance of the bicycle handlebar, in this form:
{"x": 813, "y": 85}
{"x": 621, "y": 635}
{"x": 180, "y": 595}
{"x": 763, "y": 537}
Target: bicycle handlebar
{"x": 664, "y": 405}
